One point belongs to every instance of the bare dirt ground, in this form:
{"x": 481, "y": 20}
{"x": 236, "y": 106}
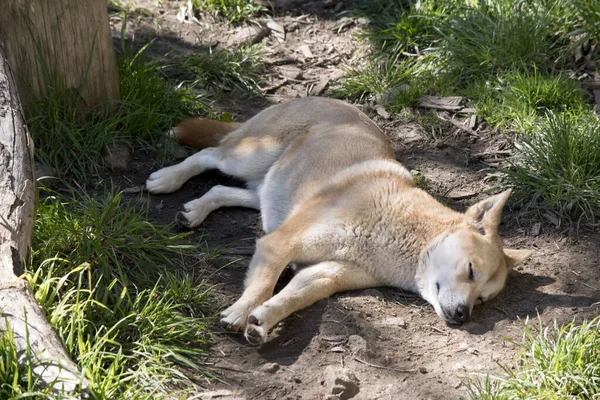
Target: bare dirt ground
{"x": 391, "y": 341}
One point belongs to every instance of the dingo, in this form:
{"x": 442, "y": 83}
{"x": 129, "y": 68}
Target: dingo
{"x": 334, "y": 200}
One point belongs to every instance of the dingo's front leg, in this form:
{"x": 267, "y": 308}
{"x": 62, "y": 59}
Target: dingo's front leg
{"x": 273, "y": 252}
{"x": 308, "y": 286}
{"x": 218, "y": 196}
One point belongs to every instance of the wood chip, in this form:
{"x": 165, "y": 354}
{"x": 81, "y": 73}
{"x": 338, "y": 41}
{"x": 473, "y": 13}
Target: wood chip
{"x": 320, "y": 87}
{"x": 472, "y": 121}
{"x": 305, "y": 50}
{"x": 460, "y": 194}
{"x": 381, "y": 111}
{"x": 451, "y": 103}
{"x": 276, "y": 29}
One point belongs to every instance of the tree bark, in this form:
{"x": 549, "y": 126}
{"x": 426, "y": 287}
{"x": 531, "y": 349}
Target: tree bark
{"x": 63, "y": 43}
{"x": 18, "y": 306}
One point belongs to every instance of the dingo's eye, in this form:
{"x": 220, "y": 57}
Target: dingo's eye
{"x": 471, "y": 276}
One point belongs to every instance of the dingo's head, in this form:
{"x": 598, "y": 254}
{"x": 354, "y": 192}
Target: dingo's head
{"x": 468, "y": 264}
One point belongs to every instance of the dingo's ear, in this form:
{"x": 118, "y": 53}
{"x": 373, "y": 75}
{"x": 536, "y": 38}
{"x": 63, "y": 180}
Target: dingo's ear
{"x": 514, "y": 257}
{"x": 485, "y": 215}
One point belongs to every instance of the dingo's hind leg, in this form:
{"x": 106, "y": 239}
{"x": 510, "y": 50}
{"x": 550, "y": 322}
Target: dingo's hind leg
{"x": 310, "y": 285}
{"x": 171, "y": 178}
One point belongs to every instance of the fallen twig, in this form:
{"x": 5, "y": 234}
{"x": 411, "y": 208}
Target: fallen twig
{"x": 492, "y": 153}
{"x": 459, "y": 125}
{"x": 401, "y": 371}
{"x": 583, "y": 283}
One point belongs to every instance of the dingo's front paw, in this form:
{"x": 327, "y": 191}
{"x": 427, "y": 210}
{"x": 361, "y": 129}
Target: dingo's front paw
{"x": 165, "y": 180}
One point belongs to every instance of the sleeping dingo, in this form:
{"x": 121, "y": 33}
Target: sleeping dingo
{"x": 334, "y": 200}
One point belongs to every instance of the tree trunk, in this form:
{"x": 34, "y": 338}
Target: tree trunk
{"x": 18, "y": 306}
{"x": 63, "y": 43}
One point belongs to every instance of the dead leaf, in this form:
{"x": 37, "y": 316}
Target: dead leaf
{"x": 320, "y": 87}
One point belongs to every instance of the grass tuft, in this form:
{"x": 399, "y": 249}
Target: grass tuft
{"x": 72, "y": 140}
{"x": 498, "y": 35}
{"x": 222, "y": 70}
{"x": 516, "y": 100}
{"x": 556, "y": 363}
{"x": 380, "y": 78}
{"x": 557, "y": 166}
{"x": 114, "y": 288}
{"x": 232, "y": 10}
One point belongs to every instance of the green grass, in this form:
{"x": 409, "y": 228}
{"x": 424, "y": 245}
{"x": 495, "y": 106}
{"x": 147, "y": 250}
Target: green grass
{"x": 222, "y": 70}
{"x": 232, "y": 10}
{"x": 498, "y": 35}
{"x": 515, "y": 100}
{"x": 557, "y": 166}
{"x": 72, "y": 140}
{"x": 514, "y": 61}
{"x": 18, "y": 379}
{"x": 556, "y": 363}
{"x": 114, "y": 288}
{"x": 382, "y": 77}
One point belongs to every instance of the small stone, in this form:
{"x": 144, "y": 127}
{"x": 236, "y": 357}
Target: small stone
{"x": 117, "y": 157}
{"x": 439, "y": 143}
{"x": 423, "y": 370}
{"x": 472, "y": 350}
{"x": 341, "y": 382}
{"x": 290, "y": 72}
{"x": 357, "y": 344}
{"x": 270, "y": 368}
{"x": 394, "y": 321}
{"x": 382, "y": 112}
{"x": 536, "y": 229}
{"x": 249, "y": 34}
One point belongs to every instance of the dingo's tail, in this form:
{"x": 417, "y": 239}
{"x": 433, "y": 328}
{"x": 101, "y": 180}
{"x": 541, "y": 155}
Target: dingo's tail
{"x": 201, "y": 133}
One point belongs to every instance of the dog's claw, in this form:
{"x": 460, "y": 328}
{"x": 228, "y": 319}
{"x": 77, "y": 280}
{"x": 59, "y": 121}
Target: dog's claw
{"x": 255, "y": 331}
{"x": 253, "y": 336}
{"x": 252, "y": 320}
{"x": 182, "y": 220}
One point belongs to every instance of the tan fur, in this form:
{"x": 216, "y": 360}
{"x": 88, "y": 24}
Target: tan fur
{"x": 334, "y": 199}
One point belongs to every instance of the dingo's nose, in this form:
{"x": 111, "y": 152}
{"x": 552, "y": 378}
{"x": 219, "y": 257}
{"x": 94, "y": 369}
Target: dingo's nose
{"x": 461, "y": 314}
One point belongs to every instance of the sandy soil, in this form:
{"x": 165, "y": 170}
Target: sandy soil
{"x": 391, "y": 341}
